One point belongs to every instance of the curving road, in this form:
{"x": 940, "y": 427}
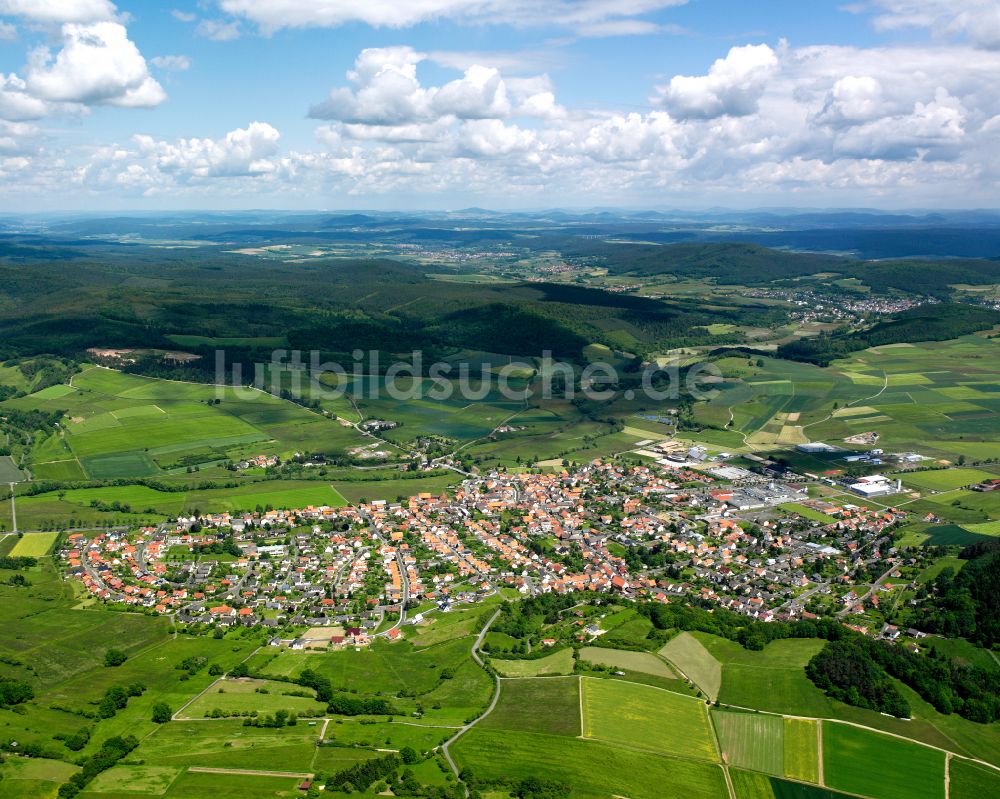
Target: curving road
{"x": 496, "y": 697}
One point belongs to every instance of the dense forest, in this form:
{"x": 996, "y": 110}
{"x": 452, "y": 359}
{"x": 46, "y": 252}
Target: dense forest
{"x": 966, "y": 604}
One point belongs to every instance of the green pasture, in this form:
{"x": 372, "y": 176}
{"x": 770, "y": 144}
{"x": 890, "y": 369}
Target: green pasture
{"x": 868, "y": 763}
{"x": 645, "y": 717}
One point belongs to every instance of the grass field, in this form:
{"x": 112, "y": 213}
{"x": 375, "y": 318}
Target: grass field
{"x": 801, "y": 751}
{"x": 647, "y": 718}
{"x": 627, "y": 660}
{"x": 972, "y": 781}
{"x": 560, "y": 662}
{"x": 752, "y": 785}
{"x": 946, "y": 479}
{"x": 121, "y": 425}
{"x": 383, "y": 668}
{"x": 867, "y": 763}
{"x": 593, "y": 769}
{"x": 154, "y": 780}
{"x": 807, "y": 513}
{"x": 695, "y": 662}
{"x": 550, "y": 705}
{"x": 227, "y": 743}
{"x": 751, "y": 740}
{"x": 196, "y": 785}
{"x": 33, "y": 778}
{"x": 9, "y": 473}
{"x": 233, "y": 696}
{"x": 34, "y": 545}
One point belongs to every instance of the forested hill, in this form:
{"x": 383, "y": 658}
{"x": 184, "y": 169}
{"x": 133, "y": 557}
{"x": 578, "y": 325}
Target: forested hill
{"x": 967, "y": 604}
{"x": 740, "y": 263}
{"x": 924, "y": 323}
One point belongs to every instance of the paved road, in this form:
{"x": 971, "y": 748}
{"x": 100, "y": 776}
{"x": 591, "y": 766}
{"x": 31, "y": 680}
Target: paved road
{"x": 860, "y": 602}
{"x": 496, "y": 697}
{"x": 13, "y": 510}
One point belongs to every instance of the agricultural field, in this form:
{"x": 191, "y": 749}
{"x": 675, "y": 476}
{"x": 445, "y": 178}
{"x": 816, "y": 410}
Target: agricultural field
{"x": 627, "y": 661}
{"x": 645, "y": 717}
{"x": 801, "y": 750}
{"x": 695, "y": 662}
{"x": 30, "y": 778}
{"x": 868, "y": 763}
{"x": 752, "y": 741}
{"x": 946, "y": 479}
{"x": 560, "y": 662}
{"x": 382, "y": 668}
{"x": 594, "y": 770}
{"x": 970, "y": 780}
{"x": 9, "y": 473}
{"x": 191, "y": 784}
{"x": 245, "y": 695}
{"x": 227, "y": 743}
{"x": 550, "y": 705}
{"x": 123, "y": 425}
{"x": 34, "y": 545}
{"x": 771, "y": 679}
{"x": 753, "y": 785}
{"x": 936, "y": 398}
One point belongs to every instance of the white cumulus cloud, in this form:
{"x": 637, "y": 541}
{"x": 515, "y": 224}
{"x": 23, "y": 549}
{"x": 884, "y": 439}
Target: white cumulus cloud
{"x": 732, "y": 86}
{"x": 58, "y": 11}
{"x": 242, "y": 152}
{"x": 97, "y": 65}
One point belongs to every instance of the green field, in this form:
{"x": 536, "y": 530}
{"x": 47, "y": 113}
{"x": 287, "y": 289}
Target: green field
{"x": 595, "y": 770}
{"x": 197, "y": 785}
{"x": 627, "y": 660}
{"x": 121, "y": 425}
{"x": 155, "y": 780}
{"x": 34, "y": 545}
{"x": 9, "y": 473}
{"x": 938, "y": 401}
{"x": 752, "y": 785}
{"x": 971, "y": 780}
{"x": 946, "y": 479}
{"x": 550, "y": 705}
{"x": 867, "y": 763}
{"x": 646, "y": 718}
{"x": 695, "y": 662}
{"x": 560, "y": 662}
{"x": 807, "y": 513}
{"x": 234, "y": 696}
{"x": 751, "y": 740}
{"x": 801, "y": 750}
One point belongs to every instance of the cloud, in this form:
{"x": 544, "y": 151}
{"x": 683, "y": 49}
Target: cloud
{"x": 852, "y": 100}
{"x": 386, "y": 91}
{"x": 183, "y": 16}
{"x": 218, "y": 30}
{"x": 59, "y": 11}
{"x": 15, "y": 102}
{"x": 244, "y": 152}
{"x": 97, "y": 65}
{"x": 8, "y": 32}
{"x": 978, "y": 21}
{"x": 173, "y": 63}
{"x": 732, "y": 86}
{"x": 274, "y": 15}
{"x": 917, "y": 124}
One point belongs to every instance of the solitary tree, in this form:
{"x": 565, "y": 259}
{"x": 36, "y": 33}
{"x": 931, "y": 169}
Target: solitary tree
{"x": 162, "y": 713}
{"x": 114, "y": 657}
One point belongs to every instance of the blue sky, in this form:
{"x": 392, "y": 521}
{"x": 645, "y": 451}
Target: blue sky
{"x": 502, "y": 103}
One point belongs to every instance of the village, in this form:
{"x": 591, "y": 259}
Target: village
{"x": 335, "y": 577}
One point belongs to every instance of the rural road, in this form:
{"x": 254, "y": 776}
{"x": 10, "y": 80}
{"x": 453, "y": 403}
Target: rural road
{"x": 13, "y": 510}
{"x": 493, "y": 703}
